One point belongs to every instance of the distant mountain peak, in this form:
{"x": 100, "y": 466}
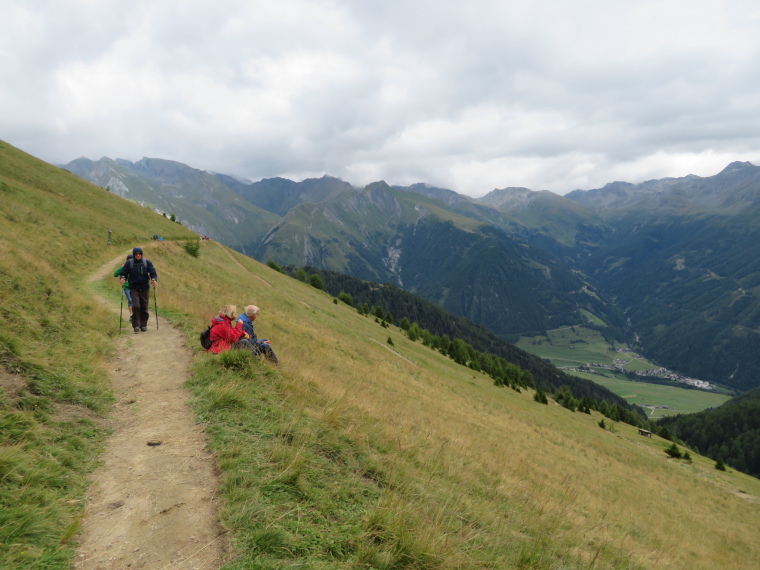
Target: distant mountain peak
{"x": 737, "y": 166}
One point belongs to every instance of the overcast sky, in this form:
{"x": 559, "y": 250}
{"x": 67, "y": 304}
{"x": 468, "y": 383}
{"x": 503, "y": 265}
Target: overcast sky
{"x": 468, "y": 95}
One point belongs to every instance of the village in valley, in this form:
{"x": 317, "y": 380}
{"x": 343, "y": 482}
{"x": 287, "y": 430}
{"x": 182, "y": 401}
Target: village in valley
{"x": 618, "y": 364}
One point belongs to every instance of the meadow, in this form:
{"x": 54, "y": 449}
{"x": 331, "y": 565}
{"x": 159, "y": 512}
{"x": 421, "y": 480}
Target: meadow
{"x": 352, "y": 453}
{"x": 579, "y": 346}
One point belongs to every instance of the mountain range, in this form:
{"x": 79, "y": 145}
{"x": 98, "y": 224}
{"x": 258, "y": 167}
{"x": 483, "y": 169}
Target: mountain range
{"x": 669, "y": 265}
{"x": 363, "y": 448}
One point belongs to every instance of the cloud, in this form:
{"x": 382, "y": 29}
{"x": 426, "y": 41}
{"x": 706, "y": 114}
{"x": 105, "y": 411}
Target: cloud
{"x": 471, "y": 96}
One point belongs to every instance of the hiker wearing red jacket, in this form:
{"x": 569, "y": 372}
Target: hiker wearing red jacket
{"x": 223, "y": 334}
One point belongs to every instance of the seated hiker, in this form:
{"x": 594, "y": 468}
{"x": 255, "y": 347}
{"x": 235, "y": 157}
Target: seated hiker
{"x": 223, "y": 334}
{"x": 259, "y": 345}
{"x": 246, "y": 319}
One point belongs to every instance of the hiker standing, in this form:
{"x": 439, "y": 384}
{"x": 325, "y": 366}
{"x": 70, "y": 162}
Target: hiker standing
{"x": 125, "y": 289}
{"x": 140, "y": 273}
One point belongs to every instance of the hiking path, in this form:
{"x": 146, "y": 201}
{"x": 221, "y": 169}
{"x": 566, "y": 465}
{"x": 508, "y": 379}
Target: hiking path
{"x": 152, "y": 503}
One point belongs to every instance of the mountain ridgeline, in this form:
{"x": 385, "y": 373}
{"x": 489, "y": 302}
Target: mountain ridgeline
{"x": 670, "y": 265}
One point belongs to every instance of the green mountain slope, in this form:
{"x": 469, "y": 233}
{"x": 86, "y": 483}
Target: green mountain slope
{"x": 547, "y": 218}
{"x": 668, "y": 264}
{"x": 402, "y": 304}
{"x": 473, "y": 259}
{"x": 684, "y": 265}
{"x": 458, "y": 262}
{"x": 353, "y": 453}
{"x": 730, "y": 432}
{"x": 201, "y": 201}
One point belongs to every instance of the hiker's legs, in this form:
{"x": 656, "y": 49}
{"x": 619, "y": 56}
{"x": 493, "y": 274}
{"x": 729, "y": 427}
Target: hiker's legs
{"x": 140, "y": 307}
{"x": 128, "y": 295}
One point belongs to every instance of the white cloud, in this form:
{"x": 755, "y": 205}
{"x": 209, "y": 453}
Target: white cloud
{"x": 471, "y": 96}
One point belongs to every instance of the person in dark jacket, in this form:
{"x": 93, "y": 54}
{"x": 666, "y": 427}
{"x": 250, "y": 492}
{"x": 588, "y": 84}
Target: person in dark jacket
{"x": 141, "y": 274}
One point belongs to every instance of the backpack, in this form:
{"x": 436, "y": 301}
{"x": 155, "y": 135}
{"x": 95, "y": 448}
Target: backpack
{"x": 206, "y": 338}
{"x": 143, "y": 262}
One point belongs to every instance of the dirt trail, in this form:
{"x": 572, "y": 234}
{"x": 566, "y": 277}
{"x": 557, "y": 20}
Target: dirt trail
{"x": 152, "y": 503}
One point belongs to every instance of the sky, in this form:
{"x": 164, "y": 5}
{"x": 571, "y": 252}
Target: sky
{"x": 467, "y": 95}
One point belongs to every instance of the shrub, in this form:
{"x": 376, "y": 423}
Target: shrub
{"x": 193, "y": 247}
{"x": 346, "y": 298}
{"x": 316, "y": 281}
{"x": 602, "y": 424}
{"x": 719, "y": 465}
{"x": 301, "y": 274}
{"x": 673, "y": 451}
{"x": 540, "y": 397}
{"x": 390, "y": 341}
{"x": 274, "y": 266}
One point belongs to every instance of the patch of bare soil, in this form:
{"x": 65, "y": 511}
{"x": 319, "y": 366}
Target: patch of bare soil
{"x": 152, "y": 503}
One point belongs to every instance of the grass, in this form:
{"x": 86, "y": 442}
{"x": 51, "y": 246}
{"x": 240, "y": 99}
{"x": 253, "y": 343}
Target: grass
{"x": 475, "y": 465}
{"x": 54, "y": 392}
{"x": 578, "y": 346}
{"x": 352, "y": 453}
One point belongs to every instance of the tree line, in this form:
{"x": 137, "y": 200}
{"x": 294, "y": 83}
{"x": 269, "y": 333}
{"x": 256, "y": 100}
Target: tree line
{"x": 400, "y": 304}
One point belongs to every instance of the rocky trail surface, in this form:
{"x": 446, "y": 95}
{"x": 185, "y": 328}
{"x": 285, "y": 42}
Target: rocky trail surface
{"x": 152, "y": 504}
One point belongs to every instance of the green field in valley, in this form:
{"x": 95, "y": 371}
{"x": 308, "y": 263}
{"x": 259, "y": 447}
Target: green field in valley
{"x": 572, "y": 347}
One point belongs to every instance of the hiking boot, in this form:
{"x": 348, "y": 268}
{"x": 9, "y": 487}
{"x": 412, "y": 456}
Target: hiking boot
{"x": 143, "y": 329}
{"x": 137, "y": 330}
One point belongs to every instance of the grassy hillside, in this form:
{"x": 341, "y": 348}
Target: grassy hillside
{"x": 53, "y": 339}
{"x": 352, "y": 453}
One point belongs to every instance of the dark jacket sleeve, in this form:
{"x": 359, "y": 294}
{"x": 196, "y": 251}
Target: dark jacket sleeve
{"x": 152, "y": 271}
{"x": 124, "y": 271}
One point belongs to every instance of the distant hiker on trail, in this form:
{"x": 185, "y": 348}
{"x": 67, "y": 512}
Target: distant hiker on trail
{"x": 125, "y": 289}
{"x": 140, "y": 273}
{"x": 261, "y": 344}
{"x": 223, "y": 334}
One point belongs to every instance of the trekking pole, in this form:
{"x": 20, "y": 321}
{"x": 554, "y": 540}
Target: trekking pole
{"x": 155, "y": 305}
{"x": 121, "y": 308}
